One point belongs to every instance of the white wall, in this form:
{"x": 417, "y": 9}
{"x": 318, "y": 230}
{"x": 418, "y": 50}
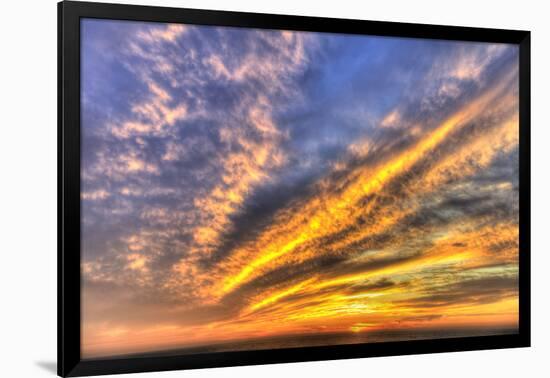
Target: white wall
{"x": 28, "y": 186}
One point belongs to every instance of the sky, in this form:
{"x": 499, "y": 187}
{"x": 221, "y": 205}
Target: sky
{"x": 240, "y": 183}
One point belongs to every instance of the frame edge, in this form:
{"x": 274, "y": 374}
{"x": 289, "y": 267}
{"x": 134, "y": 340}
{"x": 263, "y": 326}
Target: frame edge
{"x": 525, "y": 188}
{"x": 60, "y": 313}
{"x": 68, "y": 192}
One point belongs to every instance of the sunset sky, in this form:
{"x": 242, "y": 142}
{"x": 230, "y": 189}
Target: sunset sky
{"x": 241, "y": 183}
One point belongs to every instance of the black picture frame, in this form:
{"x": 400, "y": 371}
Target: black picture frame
{"x": 69, "y": 274}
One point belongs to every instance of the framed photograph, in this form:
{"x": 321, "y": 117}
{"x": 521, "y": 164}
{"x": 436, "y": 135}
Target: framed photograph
{"x": 240, "y": 188}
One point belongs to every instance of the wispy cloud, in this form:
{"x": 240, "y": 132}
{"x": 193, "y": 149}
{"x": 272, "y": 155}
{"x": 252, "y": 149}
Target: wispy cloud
{"x": 244, "y": 183}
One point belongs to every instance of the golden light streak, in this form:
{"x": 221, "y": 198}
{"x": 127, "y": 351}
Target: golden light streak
{"x": 443, "y": 253}
{"x": 282, "y": 294}
{"x": 330, "y": 214}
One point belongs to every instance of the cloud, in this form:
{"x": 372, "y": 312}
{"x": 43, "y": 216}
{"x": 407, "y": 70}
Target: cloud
{"x": 330, "y": 213}
{"x": 169, "y": 33}
{"x": 95, "y": 195}
{"x": 245, "y": 183}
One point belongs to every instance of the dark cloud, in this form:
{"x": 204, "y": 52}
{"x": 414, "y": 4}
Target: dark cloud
{"x": 481, "y": 290}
